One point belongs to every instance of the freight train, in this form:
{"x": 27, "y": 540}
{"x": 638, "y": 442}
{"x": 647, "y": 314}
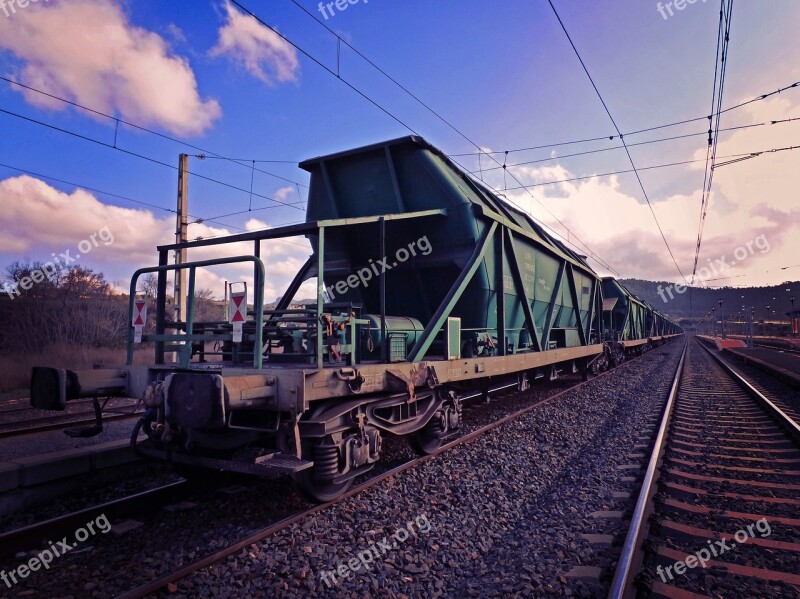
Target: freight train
{"x": 430, "y": 289}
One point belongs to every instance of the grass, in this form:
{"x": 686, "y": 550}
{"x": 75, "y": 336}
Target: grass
{"x": 15, "y": 369}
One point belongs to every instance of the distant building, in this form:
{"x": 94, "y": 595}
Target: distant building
{"x": 794, "y": 315}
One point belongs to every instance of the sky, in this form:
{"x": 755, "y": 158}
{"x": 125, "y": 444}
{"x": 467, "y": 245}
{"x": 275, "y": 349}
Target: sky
{"x": 205, "y": 78}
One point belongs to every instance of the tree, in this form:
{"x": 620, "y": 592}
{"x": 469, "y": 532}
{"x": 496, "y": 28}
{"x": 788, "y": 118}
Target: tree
{"x": 149, "y": 286}
{"x": 80, "y": 282}
{"x": 32, "y": 279}
{"x": 74, "y": 306}
{"x": 205, "y": 308}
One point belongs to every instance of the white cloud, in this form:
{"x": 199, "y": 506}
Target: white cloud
{"x": 283, "y": 193}
{"x": 260, "y": 50}
{"x": 751, "y": 198}
{"x": 87, "y": 51}
{"x": 176, "y": 33}
{"x": 37, "y": 220}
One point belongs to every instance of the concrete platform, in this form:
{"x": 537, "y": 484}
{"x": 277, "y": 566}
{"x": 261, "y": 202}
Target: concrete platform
{"x": 787, "y": 342}
{"x": 783, "y": 365}
{"x": 14, "y": 448}
{"x": 722, "y": 344}
{"x": 9, "y": 476}
{"x": 30, "y": 471}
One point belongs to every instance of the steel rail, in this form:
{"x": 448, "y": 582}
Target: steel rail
{"x": 154, "y": 586}
{"x": 782, "y": 417}
{"x": 622, "y": 584}
{"x": 29, "y": 536}
{"x": 61, "y": 424}
{"x": 622, "y": 577}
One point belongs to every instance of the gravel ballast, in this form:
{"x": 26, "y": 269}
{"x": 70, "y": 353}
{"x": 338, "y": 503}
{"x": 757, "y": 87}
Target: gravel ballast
{"x": 505, "y": 514}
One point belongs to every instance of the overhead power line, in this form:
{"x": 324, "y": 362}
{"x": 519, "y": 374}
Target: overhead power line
{"x": 383, "y": 109}
{"x": 720, "y": 69}
{"x": 736, "y": 157}
{"x": 110, "y": 194}
{"x": 753, "y": 155}
{"x": 427, "y": 107}
{"x": 207, "y": 153}
{"x": 641, "y": 143}
{"x": 155, "y": 161}
{"x": 416, "y": 98}
{"x": 609, "y": 174}
{"x": 143, "y": 157}
{"x": 621, "y": 136}
{"x": 206, "y": 157}
{"x": 140, "y": 202}
{"x": 612, "y": 137}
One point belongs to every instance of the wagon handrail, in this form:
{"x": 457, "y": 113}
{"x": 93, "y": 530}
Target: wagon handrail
{"x": 193, "y": 266}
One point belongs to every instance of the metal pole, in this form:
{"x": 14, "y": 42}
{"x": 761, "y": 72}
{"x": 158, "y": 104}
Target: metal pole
{"x": 181, "y": 229}
{"x": 382, "y": 289}
{"x": 320, "y": 298}
{"x": 502, "y": 343}
{"x": 257, "y": 282}
{"x": 161, "y": 305}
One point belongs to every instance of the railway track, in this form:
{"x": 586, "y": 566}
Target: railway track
{"x": 717, "y": 513}
{"x": 781, "y": 348}
{"x": 45, "y": 424}
{"x": 14, "y": 406}
{"x": 18, "y": 417}
{"x": 10, "y": 406}
{"x": 165, "y": 581}
{"x": 30, "y": 536}
{"x": 127, "y": 508}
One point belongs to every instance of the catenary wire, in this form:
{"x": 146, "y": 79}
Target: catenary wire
{"x": 641, "y": 143}
{"x": 611, "y": 137}
{"x": 142, "y": 156}
{"x": 110, "y": 194}
{"x": 723, "y": 43}
{"x": 737, "y": 157}
{"x": 622, "y": 138}
{"x": 206, "y": 153}
{"x": 337, "y": 74}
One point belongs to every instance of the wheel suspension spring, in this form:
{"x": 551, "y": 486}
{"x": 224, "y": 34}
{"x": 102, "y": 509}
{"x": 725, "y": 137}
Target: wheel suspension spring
{"x": 326, "y": 461}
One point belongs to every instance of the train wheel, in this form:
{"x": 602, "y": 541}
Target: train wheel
{"x": 316, "y": 483}
{"x": 588, "y": 369}
{"x": 319, "y": 491}
{"x": 429, "y": 439}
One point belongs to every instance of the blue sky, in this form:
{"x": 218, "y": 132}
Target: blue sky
{"x": 502, "y": 72}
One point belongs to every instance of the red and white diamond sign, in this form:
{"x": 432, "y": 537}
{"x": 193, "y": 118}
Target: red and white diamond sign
{"x": 237, "y": 311}
{"x": 138, "y": 319}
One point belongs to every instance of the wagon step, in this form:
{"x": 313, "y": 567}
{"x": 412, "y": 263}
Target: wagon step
{"x": 268, "y": 466}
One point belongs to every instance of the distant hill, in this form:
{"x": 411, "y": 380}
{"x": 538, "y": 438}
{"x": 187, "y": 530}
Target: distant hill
{"x": 697, "y": 301}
